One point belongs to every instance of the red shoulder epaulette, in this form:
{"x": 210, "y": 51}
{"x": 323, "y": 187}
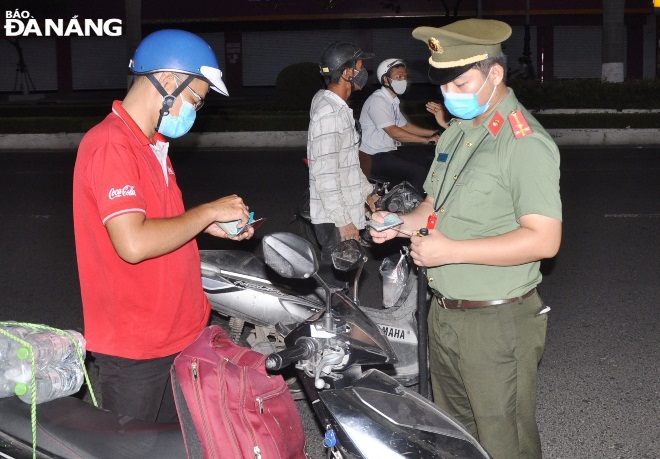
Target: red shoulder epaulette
{"x": 496, "y": 123}
{"x": 519, "y": 124}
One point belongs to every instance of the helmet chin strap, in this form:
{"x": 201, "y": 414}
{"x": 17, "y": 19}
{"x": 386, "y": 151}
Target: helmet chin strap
{"x": 388, "y": 86}
{"x": 350, "y": 80}
{"x": 168, "y": 99}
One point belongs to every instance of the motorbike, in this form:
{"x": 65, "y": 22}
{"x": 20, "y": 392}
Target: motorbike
{"x": 365, "y": 413}
{"x": 251, "y": 300}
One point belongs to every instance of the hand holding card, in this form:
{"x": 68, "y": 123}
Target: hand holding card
{"x": 391, "y": 220}
{"x": 231, "y": 228}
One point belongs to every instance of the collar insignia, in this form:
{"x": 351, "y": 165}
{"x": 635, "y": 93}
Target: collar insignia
{"x": 495, "y": 124}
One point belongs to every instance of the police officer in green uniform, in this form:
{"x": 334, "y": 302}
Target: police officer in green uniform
{"x": 493, "y": 191}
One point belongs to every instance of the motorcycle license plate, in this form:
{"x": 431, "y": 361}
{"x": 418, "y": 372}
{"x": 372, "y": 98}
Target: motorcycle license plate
{"x": 398, "y": 334}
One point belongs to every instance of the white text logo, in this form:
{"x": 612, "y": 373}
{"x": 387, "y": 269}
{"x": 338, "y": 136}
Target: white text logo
{"x": 128, "y": 190}
{"x": 21, "y": 23}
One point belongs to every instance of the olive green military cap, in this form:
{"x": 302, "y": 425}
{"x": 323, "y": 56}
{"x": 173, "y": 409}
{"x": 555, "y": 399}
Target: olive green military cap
{"x": 456, "y": 47}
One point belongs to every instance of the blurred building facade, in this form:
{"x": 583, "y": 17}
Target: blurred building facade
{"x": 255, "y": 39}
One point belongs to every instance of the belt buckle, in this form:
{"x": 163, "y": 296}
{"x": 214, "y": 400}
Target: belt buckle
{"x": 442, "y": 301}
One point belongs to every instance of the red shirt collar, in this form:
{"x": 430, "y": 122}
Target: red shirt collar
{"x": 132, "y": 125}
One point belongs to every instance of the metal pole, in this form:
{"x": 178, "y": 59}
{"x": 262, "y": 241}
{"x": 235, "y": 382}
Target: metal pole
{"x": 422, "y": 329}
{"x": 526, "y": 49}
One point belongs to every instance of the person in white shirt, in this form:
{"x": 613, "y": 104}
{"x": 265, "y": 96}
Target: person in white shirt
{"x": 385, "y": 128}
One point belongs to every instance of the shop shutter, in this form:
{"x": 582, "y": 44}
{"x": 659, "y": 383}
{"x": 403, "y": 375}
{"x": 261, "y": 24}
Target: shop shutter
{"x": 578, "y": 52}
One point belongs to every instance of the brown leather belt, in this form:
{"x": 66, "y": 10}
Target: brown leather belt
{"x": 468, "y": 304}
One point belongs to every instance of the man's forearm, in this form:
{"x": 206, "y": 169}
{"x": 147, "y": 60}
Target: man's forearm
{"x": 404, "y": 136}
{"x": 417, "y": 130}
{"x": 517, "y": 247}
{"x": 137, "y": 238}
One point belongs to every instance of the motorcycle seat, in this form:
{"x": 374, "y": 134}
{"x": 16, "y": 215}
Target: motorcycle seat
{"x": 72, "y": 428}
{"x": 237, "y": 261}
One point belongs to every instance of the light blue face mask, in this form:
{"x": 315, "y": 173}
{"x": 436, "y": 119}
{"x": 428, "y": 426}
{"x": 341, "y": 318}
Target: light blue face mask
{"x": 466, "y": 106}
{"x": 176, "y": 126}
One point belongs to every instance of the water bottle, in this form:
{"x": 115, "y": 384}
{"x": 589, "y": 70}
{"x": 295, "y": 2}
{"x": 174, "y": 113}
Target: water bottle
{"x": 9, "y": 346}
{"x": 51, "y": 348}
{"x": 15, "y": 363}
{"x": 6, "y": 387}
{"x": 19, "y": 371}
{"x": 53, "y": 382}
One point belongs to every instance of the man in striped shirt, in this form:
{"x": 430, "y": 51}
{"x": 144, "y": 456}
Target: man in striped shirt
{"x": 338, "y": 188}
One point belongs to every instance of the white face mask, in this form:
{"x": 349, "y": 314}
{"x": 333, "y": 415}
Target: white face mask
{"x": 399, "y": 86}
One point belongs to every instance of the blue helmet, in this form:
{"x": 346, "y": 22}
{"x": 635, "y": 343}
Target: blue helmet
{"x": 178, "y": 51}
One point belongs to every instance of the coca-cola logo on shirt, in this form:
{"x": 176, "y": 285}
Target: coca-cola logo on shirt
{"x": 128, "y": 190}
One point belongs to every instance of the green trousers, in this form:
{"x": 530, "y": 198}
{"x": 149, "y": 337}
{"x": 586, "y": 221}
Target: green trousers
{"x": 484, "y": 365}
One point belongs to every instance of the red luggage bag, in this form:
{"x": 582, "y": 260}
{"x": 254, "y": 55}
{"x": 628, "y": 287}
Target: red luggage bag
{"x": 228, "y": 405}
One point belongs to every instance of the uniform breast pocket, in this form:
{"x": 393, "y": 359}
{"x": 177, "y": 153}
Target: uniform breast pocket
{"x": 476, "y": 201}
{"x": 439, "y": 171}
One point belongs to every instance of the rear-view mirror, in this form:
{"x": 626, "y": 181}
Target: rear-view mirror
{"x": 289, "y": 255}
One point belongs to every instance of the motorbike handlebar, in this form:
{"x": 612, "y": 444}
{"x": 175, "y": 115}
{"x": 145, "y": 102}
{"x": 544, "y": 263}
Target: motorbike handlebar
{"x": 302, "y": 350}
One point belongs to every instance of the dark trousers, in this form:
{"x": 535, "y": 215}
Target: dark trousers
{"x": 140, "y": 389}
{"x": 327, "y": 235}
{"x": 484, "y": 365}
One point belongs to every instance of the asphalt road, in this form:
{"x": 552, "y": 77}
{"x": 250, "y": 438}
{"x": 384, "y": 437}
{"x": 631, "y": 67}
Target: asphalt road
{"x": 599, "y": 378}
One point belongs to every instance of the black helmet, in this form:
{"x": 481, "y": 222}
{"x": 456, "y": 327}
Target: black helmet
{"x": 337, "y": 54}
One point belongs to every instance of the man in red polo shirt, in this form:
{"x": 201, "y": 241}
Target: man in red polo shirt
{"x": 138, "y": 261}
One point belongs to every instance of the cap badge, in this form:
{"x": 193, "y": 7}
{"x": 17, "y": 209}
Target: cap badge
{"x": 434, "y": 45}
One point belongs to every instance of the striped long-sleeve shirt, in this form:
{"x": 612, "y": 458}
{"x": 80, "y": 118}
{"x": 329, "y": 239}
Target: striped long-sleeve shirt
{"x": 338, "y": 188}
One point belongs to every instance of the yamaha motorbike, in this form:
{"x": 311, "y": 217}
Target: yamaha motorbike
{"x": 251, "y": 300}
{"x": 364, "y": 414}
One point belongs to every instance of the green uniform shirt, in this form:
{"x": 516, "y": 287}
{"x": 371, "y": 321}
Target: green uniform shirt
{"x": 504, "y": 178}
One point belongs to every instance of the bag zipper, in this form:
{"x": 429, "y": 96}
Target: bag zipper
{"x": 244, "y": 370}
{"x": 224, "y": 409}
{"x": 260, "y": 400}
{"x": 202, "y": 408}
{"x": 246, "y": 423}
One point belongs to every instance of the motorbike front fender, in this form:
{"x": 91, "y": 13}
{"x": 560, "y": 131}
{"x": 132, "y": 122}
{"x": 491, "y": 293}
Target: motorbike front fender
{"x": 377, "y": 417}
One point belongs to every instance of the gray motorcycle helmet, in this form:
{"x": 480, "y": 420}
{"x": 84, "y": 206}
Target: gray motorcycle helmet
{"x": 335, "y": 57}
